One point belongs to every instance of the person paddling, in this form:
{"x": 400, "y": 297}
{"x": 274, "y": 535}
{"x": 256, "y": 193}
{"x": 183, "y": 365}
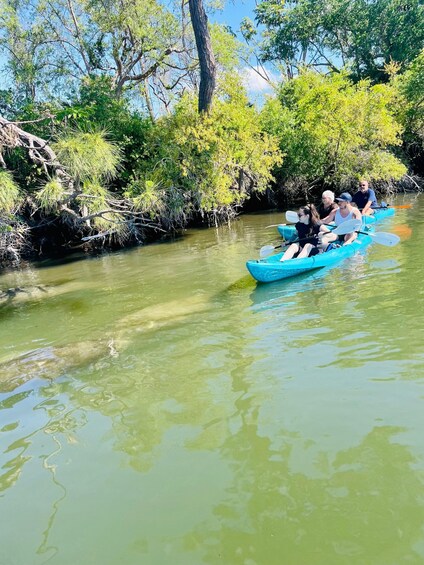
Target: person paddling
{"x": 344, "y": 212}
{"x": 365, "y": 198}
{"x": 307, "y": 229}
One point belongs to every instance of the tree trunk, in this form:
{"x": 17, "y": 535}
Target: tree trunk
{"x": 199, "y": 21}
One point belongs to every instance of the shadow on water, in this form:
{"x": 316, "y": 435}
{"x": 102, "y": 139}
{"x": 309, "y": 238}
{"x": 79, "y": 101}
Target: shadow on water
{"x": 78, "y": 255}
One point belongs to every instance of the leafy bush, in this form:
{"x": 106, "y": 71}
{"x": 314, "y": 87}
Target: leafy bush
{"x": 49, "y": 196}
{"x": 9, "y": 193}
{"x": 332, "y": 130}
{"x": 206, "y": 163}
{"x": 410, "y": 109}
{"x": 87, "y": 155}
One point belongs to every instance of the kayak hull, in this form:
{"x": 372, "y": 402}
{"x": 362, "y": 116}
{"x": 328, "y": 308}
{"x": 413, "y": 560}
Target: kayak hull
{"x": 288, "y": 232}
{"x": 272, "y": 269}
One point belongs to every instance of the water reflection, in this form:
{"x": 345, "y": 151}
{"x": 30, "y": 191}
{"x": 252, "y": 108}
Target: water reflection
{"x": 273, "y": 514}
{"x": 161, "y": 397}
{"x": 45, "y": 547}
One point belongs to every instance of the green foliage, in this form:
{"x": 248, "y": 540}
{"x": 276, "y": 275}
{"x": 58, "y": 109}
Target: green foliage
{"x": 205, "y": 163}
{"x": 150, "y": 196}
{"x": 25, "y": 40}
{"x": 96, "y": 106}
{"x": 248, "y": 29}
{"x": 45, "y": 53}
{"x": 411, "y": 106}
{"x": 332, "y": 130}
{"x": 6, "y": 103}
{"x": 150, "y": 25}
{"x": 328, "y": 128}
{"x": 363, "y": 35}
{"x": 9, "y": 193}
{"x": 50, "y": 195}
{"x": 94, "y": 200}
{"x": 88, "y": 155}
{"x": 226, "y": 48}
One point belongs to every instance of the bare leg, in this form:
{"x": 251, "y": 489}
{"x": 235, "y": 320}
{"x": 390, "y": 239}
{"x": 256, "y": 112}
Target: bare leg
{"x": 350, "y": 238}
{"x": 328, "y": 238}
{"x": 305, "y": 251}
{"x": 294, "y": 248}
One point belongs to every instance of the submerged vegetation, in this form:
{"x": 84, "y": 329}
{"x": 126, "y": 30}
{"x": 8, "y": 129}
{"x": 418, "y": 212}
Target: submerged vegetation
{"x": 104, "y": 140}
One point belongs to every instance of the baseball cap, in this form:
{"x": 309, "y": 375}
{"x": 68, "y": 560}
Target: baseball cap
{"x": 345, "y": 196}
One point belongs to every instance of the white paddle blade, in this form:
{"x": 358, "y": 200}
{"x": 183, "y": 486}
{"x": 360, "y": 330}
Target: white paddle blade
{"x": 384, "y": 238}
{"x": 266, "y": 250}
{"x": 347, "y": 227}
{"x": 292, "y": 217}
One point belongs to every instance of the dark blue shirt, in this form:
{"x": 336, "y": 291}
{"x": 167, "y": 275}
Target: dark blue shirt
{"x": 361, "y": 198}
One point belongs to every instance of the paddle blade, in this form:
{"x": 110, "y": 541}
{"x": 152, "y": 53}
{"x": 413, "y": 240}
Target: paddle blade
{"x": 292, "y": 217}
{"x": 266, "y": 250}
{"x": 347, "y": 227}
{"x": 384, "y": 238}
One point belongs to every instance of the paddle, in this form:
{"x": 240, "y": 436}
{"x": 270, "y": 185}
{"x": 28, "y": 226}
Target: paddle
{"x": 292, "y": 217}
{"x": 343, "y": 229}
{"x": 383, "y": 238}
{"x": 400, "y": 207}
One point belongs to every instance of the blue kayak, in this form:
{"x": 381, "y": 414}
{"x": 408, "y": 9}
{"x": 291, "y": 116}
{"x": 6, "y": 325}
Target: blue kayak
{"x": 288, "y": 231}
{"x": 271, "y": 269}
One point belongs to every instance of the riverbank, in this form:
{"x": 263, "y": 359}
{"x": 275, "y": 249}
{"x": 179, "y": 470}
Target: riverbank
{"x": 52, "y": 239}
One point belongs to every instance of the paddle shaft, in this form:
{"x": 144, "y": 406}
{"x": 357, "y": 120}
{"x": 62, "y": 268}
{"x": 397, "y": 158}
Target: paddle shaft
{"x": 294, "y": 241}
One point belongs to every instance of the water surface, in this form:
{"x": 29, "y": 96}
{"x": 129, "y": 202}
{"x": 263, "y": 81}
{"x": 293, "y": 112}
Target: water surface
{"x": 158, "y": 407}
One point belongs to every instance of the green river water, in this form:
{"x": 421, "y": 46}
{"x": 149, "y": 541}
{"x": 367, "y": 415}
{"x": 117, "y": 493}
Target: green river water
{"x": 158, "y": 407}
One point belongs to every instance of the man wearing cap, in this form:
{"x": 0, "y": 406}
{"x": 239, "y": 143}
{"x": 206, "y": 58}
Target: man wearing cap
{"x": 344, "y": 213}
{"x": 365, "y": 198}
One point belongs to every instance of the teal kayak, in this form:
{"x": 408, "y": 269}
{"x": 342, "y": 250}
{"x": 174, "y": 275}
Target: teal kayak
{"x": 272, "y": 269}
{"x": 288, "y": 232}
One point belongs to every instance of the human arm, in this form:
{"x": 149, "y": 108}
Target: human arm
{"x": 330, "y": 218}
{"x": 356, "y": 214}
{"x": 372, "y": 201}
{"x": 366, "y": 207}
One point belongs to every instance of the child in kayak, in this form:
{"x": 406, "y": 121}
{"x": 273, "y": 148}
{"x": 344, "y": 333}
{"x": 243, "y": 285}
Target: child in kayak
{"x": 307, "y": 228}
